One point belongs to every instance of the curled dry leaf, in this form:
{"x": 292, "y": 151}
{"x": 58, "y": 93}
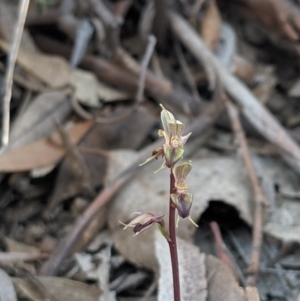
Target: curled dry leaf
{"x": 211, "y": 25}
{"x": 43, "y": 152}
{"x": 60, "y": 288}
{"x": 221, "y": 179}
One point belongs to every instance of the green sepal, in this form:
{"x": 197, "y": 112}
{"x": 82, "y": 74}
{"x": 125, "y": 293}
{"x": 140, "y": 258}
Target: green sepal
{"x": 164, "y": 232}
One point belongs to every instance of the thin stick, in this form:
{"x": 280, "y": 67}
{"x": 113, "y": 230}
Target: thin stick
{"x": 187, "y": 72}
{"x": 223, "y": 252}
{"x": 116, "y": 76}
{"x": 77, "y": 163}
{"x": 23, "y": 8}
{"x": 173, "y": 242}
{"x": 255, "y": 112}
{"x": 144, "y": 66}
{"x": 259, "y": 196}
{"x": 139, "y": 95}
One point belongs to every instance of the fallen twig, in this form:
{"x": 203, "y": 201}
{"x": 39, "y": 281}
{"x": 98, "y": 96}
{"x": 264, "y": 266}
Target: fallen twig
{"x": 223, "y": 251}
{"x": 258, "y": 193}
{"x": 115, "y": 76}
{"x": 255, "y": 112}
{"x": 111, "y": 23}
{"x": 139, "y": 95}
{"x": 23, "y": 8}
{"x": 187, "y": 72}
{"x": 144, "y": 66}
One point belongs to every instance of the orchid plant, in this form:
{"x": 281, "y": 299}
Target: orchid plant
{"x": 180, "y": 200}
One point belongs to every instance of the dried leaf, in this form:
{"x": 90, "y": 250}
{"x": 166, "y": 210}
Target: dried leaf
{"x": 221, "y": 282}
{"x": 192, "y": 268}
{"x": 15, "y": 246}
{"x": 51, "y": 70}
{"x": 120, "y": 134}
{"x": 211, "y": 25}
{"x": 252, "y": 293}
{"x": 62, "y": 289}
{"x": 294, "y": 91}
{"x": 7, "y": 291}
{"x": 96, "y": 90}
{"x": 40, "y": 153}
{"x": 37, "y": 121}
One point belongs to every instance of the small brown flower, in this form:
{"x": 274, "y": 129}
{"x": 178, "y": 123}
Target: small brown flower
{"x": 143, "y": 221}
{"x": 183, "y": 203}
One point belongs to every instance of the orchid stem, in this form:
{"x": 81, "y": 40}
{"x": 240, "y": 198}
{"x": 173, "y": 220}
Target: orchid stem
{"x": 172, "y": 242}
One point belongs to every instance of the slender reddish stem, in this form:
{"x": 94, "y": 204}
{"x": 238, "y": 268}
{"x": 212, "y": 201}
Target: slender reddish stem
{"x": 172, "y": 242}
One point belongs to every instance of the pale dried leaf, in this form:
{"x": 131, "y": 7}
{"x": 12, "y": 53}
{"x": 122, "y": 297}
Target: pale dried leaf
{"x": 85, "y": 84}
{"x": 221, "y": 282}
{"x": 62, "y": 289}
{"x": 86, "y": 265}
{"x": 89, "y": 90}
{"x": 252, "y": 293}
{"x": 7, "y": 291}
{"x": 15, "y": 246}
{"x": 6, "y": 257}
{"x": 40, "y": 153}
{"x": 103, "y": 272}
{"x": 108, "y": 94}
{"x": 37, "y": 121}
{"x": 52, "y": 70}
{"x": 294, "y": 91}
{"x": 211, "y": 25}
{"x": 192, "y": 271}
